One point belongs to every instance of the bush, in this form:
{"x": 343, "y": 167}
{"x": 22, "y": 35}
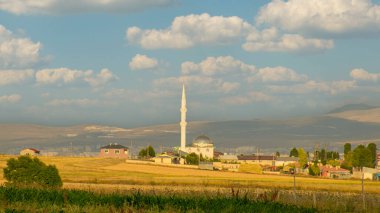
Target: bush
{"x": 26, "y": 171}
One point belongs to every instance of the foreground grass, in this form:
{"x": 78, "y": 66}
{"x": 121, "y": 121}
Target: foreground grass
{"x": 53, "y": 200}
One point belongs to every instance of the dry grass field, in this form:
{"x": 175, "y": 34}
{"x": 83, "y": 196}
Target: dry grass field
{"x": 117, "y": 174}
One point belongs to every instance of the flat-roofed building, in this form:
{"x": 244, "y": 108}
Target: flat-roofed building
{"x": 114, "y": 150}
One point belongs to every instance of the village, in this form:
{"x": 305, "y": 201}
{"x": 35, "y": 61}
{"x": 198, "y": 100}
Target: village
{"x": 362, "y": 162}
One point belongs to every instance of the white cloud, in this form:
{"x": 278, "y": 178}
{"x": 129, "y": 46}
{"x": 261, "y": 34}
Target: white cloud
{"x": 217, "y": 65}
{"x": 65, "y": 76}
{"x": 73, "y": 102}
{"x": 361, "y": 74}
{"x": 276, "y": 74}
{"x": 200, "y": 83}
{"x": 331, "y": 88}
{"x": 187, "y": 31}
{"x": 251, "y": 97}
{"x": 17, "y": 52}
{"x": 322, "y": 16}
{"x": 79, "y": 6}
{"x": 14, "y": 98}
{"x": 104, "y": 77}
{"x": 269, "y": 41}
{"x": 8, "y": 77}
{"x": 143, "y": 62}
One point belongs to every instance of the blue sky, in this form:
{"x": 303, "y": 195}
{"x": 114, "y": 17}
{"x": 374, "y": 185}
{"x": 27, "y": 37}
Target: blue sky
{"x": 123, "y": 62}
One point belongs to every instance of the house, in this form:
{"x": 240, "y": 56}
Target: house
{"x": 368, "y": 173}
{"x": 228, "y": 158}
{"x": 261, "y": 160}
{"x": 30, "y": 152}
{"x": 284, "y": 161}
{"x": 378, "y": 160}
{"x": 334, "y": 172}
{"x": 165, "y": 158}
{"x": 226, "y": 166}
{"x": 114, "y": 150}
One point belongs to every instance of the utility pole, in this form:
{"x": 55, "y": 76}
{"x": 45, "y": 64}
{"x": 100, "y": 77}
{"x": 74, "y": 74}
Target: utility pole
{"x": 363, "y": 195}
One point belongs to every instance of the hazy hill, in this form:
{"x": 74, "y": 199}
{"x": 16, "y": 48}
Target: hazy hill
{"x": 360, "y": 113}
{"x": 244, "y": 135}
{"x": 350, "y": 107}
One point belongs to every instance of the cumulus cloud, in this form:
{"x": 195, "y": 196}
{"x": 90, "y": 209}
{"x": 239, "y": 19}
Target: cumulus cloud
{"x": 361, "y": 74}
{"x": 8, "y": 77}
{"x": 143, "y": 62}
{"x": 65, "y": 76}
{"x": 84, "y": 102}
{"x": 277, "y": 74}
{"x": 201, "y": 83}
{"x": 269, "y": 40}
{"x": 187, "y": 31}
{"x": 335, "y": 17}
{"x": 251, "y": 97}
{"x": 20, "y": 7}
{"x": 331, "y": 88}
{"x": 17, "y": 52}
{"x": 14, "y": 98}
{"x": 216, "y": 65}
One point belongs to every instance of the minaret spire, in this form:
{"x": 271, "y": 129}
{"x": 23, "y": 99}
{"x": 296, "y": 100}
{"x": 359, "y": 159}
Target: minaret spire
{"x": 183, "y": 122}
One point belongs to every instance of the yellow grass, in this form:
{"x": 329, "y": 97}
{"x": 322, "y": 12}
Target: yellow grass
{"x": 76, "y": 171}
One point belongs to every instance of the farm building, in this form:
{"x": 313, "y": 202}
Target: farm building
{"x": 334, "y": 172}
{"x": 261, "y": 160}
{"x": 114, "y": 150}
{"x": 228, "y": 158}
{"x": 166, "y": 159}
{"x": 30, "y": 152}
{"x": 284, "y": 161}
{"x": 368, "y": 173}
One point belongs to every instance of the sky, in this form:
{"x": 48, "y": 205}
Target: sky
{"x": 123, "y": 62}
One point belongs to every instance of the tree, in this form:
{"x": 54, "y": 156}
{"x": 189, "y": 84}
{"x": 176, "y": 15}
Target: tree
{"x": 372, "y": 148}
{"x": 333, "y": 163}
{"x": 322, "y": 156}
{"x": 26, "y": 171}
{"x": 347, "y": 148}
{"x": 302, "y": 157}
{"x": 293, "y": 152}
{"x": 361, "y": 157}
{"x": 314, "y": 170}
{"x": 147, "y": 152}
{"x": 347, "y": 163}
{"x": 277, "y": 154}
{"x": 192, "y": 159}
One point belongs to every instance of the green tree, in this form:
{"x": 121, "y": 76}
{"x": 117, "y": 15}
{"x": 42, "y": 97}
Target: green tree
{"x": 278, "y": 154}
{"x": 347, "y": 148}
{"x": 302, "y": 157}
{"x": 147, "y": 152}
{"x": 372, "y": 148}
{"x": 26, "y": 171}
{"x": 192, "y": 159}
{"x": 323, "y": 156}
{"x": 293, "y": 152}
{"x": 361, "y": 157}
{"x": 347, "y": 163}
{"x": 333, "y": 163}
{"x": 314, "y": 170}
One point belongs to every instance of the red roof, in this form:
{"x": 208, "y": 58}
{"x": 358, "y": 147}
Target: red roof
{"x": 332, "y": 169}
{"x": 34, "y": 150}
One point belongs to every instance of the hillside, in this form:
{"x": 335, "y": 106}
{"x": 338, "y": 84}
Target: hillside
{"x": 371, "y": 115}
{"x": 243, "y": 135}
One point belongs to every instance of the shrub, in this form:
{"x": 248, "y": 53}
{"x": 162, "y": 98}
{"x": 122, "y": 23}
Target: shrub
{"x": 31, "y": 171}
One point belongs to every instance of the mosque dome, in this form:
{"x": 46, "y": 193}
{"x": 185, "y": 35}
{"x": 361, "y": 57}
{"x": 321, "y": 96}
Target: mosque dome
{"x": 202, "y": 141}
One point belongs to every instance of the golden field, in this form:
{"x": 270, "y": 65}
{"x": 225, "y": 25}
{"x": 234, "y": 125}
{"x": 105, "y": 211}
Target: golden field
{"x": 117, "y": 174}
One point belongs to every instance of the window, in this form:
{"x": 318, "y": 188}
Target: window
{"x": 125, "y": 151}
{"x": 117, "y": 152}
{"x": 106, "y": 151}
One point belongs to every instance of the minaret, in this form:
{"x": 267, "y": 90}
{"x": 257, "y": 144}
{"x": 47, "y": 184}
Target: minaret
{"x": 183, "y": 122}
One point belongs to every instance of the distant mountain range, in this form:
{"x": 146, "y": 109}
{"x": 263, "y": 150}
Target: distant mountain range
{"x": 354, "y": 123}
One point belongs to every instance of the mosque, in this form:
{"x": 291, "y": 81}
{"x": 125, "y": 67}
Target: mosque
{"x": 201, "y": 145}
